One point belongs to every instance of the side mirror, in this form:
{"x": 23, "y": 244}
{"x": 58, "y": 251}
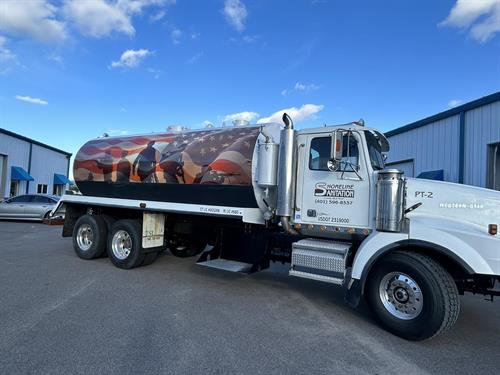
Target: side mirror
{"x": 336, "y": 150}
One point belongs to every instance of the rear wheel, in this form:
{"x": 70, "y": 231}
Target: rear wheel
{"x": 125, "y": 244}
{"x": 89, "y": 237}
{"x": 413, "y": 296}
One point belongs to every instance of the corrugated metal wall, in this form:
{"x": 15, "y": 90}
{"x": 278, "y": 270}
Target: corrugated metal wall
{"x": 41, "y": 159}
{"x": 482, "y": 127}
{"x": 17, "y": 152}
{"x": 433, "y": 146}
{"x": 44, "y": 163}
{"x": 437, "y": 145}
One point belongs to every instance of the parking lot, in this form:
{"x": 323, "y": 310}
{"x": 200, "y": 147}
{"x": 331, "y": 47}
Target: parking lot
{"x": 60, "y": 314}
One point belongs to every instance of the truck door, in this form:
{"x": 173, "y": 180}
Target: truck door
{"x": 338, "y": 198}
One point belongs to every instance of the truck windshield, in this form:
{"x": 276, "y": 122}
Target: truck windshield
{"x": 375, "y": 151}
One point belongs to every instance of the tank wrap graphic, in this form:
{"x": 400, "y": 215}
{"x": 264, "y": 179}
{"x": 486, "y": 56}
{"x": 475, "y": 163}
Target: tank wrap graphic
{"x": 159, "y": 166}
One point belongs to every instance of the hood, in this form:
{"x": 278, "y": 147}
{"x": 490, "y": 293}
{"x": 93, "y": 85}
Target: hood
{"x": 459, "y": 202}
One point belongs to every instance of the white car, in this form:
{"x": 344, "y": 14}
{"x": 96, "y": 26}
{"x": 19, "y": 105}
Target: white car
{"x": 28, "y": 207}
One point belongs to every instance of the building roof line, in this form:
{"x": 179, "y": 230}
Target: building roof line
{"x": 32, "y": 141}
{"x": 448, "y": 113}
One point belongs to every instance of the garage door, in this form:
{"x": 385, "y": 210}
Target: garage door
{"x": 407, "y": 166}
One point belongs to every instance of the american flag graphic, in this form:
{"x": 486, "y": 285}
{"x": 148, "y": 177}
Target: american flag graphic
{"x": 216, "y": 156}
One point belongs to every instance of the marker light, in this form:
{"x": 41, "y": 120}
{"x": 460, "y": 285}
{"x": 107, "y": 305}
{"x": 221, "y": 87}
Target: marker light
{"x": 338, "y": 146}
{"x": 492, "y": 229}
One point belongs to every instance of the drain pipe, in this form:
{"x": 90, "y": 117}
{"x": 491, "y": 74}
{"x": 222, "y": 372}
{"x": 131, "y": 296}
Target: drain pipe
{"x": 286, "y": 175}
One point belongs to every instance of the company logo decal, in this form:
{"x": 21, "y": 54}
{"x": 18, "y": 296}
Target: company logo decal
{"x": 322, "y": 189}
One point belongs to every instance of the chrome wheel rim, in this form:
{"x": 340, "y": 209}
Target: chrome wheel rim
{"x": 121, "y": 245}
{"x": 401, "y": 296}
{"x": 85, "y": 237}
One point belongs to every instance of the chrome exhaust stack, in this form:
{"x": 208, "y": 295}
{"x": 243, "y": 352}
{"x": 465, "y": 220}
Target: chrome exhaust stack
{"x": 286, "y": 175}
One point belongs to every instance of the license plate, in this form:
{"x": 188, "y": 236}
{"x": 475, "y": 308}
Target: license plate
{"x": 153, "y": 229}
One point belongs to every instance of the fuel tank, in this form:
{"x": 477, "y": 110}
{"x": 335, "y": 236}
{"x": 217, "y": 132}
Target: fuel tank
{"x": 210, "y": 166}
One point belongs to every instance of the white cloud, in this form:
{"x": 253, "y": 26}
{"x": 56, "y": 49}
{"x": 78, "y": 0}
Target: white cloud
{"x": 480, "y": 17}
{"x": 5, "y": 53}
{"x": 245, "y": 116}
{"x": 176, "y": 36}
{"x": 207, "y": 124}
{"x": 195, "y": 58}
{"x": 236, "y": 13}
{"x": 115, "y": 132}
{"x": 136, "y": 6}
{"x": 99, "y": 18}
{"x": 155, "y": 72}
{"x": 29, "y": 99}
{"x": 34, "y": 19}
{"x": 301, "y": 87}
{"x": 250, "y": 38}
{"x": 305, "y": 87}
{"x": 157, "y": 16}
{"x": 131, "y": 58}
{"x": 297, "y": 114}
{"x": 56, "y": 58}
{"x": 455, "y": 102}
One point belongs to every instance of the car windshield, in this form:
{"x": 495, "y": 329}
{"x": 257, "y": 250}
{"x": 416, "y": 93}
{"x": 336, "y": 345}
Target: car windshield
{"x": 375, "y": 151}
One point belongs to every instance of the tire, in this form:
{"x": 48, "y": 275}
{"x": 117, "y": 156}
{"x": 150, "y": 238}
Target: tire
{"x": 186, "y": 248}
{"x": 150, "y": 258}
{"x": 109, "y": 224}
{"x": 125, "y": 244}
{"x": 413, "y": 296}
{"x": 109, "y": 220}
{"x": 89, "y": 237}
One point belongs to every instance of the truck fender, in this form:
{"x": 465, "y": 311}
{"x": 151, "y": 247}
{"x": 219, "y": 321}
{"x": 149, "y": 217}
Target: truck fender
{"x": 376, "y": 244}
{"x": 448, "y": 240}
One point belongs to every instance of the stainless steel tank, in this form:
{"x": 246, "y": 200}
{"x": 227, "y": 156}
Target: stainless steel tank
{"x": 390, "y": 200}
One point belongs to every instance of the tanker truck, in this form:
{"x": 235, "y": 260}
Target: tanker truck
{"x": 238, "y": 198}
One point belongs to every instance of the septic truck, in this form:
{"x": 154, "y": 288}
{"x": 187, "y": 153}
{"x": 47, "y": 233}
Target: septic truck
{"x": 321, "y": 199}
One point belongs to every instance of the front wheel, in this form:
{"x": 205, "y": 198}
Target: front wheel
{"x": 412, "y": 295}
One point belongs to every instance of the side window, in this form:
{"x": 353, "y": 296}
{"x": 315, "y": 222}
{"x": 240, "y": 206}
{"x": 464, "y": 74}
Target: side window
{"x": 350, "y": 154}
{"x": 40, "y": 199}
{"x": 21, "y": 199}
{"x": 319, "y": 154}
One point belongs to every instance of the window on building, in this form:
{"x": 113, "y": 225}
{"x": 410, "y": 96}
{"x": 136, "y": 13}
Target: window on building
{"x": 319, "y": 153}
{"x": 58, "y": 189}
{"x": 41, "y": 189}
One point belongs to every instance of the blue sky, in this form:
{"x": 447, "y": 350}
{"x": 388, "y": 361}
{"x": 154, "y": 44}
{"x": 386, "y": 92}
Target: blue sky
{"x": 71, "y": 70}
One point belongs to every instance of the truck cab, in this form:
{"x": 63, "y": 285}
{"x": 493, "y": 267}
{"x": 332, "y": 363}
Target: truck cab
{"x": 343, "y": 195}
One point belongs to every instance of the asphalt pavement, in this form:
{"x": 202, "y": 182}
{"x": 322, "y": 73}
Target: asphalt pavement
{"x": 63, "y": 315}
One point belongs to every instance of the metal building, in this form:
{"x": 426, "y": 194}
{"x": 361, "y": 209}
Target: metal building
{"x": 459, "y": 145}
{"x": 28, "y": 166}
